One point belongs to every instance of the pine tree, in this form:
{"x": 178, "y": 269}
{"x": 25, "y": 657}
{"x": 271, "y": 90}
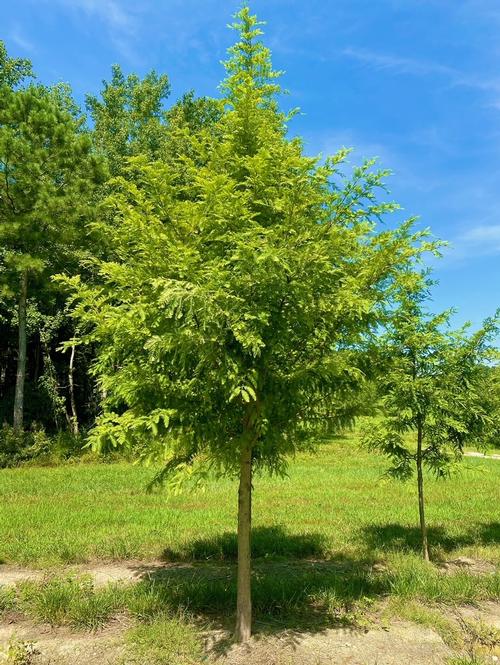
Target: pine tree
{"x": 46, "y": 173}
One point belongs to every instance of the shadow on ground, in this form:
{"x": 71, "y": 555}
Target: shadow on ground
{"x": 402, "y": 537}
{"x": 271, "y": 541}
{"x": 291, "y": 592}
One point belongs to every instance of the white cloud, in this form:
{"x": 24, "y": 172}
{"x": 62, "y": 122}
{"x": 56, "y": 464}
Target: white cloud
{"x": 484, "y": 238}
{"x": 420, "y": 67}
{"x": 19, "y": 39}
{"x": 118, "y": 19}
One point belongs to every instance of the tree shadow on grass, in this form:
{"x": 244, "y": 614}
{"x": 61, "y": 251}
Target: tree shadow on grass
{"x": 288, "y": 594}
{"x": 402, "y": 537}
{"x": 267, "y": 542}
{"x": 489, "y": 534}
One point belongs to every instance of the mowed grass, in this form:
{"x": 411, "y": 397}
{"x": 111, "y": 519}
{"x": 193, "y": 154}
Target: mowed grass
{"x": 335, "y": 504}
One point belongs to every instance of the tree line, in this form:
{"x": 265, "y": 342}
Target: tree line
{"x": 56, "y": 166}
{"x": 188, "y": 286}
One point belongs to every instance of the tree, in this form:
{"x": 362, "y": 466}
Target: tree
{"x": 46, "y": 173}
{"x": 13, "y": 70}
{"x": 244, "y": 276}
{"x": 129, "y": 118}
{"x": 433, "y": 394}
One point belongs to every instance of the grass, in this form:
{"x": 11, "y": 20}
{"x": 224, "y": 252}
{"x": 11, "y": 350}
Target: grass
{"x": 333, "y": 544}
{"x": 296, "y": 596}
{"x": 69, "y": 600}
{"x": 334, "y": 504}
{"x": 164, "y": 641}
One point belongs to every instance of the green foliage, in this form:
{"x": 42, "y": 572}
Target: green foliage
{"x": 34, "y": 446}
{"x": 434, "y": 380}
{"x": 128, "y": 119}
{"x": 13, "y": 71}
{"x": 46, "y": 173}
{"x": 242, "y": 280}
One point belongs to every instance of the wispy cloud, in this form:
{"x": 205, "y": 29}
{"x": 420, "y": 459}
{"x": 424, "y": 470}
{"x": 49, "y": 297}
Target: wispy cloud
{"x": 109, "y": 11}
{"x": 421, "y": 67}
{"x": 117, "y": 17}
{"x": 485, "y": 239}
{"x": 19, "y": 39}
{"x": 399, "y": 64}
{"x": 479, "y": 242}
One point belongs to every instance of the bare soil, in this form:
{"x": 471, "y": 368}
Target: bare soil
{"x": 400, "y": 643}
{"x": 60, "y": 646}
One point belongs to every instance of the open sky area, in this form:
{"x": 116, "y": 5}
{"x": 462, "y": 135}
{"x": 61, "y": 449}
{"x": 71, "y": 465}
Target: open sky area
{"x": 414, "y": 82}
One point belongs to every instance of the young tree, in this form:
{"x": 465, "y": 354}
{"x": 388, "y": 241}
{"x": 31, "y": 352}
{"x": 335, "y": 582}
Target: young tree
{"x": 433, "y": 400}
{"x": 243, "y": 277}
{"x": 46, "y": 172}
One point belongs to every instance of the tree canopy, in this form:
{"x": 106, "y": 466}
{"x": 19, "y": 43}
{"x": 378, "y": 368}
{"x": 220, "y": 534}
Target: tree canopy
{"x": 244, "y": 276}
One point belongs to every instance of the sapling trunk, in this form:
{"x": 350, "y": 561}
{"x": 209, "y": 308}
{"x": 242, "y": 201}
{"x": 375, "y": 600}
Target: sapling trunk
{"x": 74, "y": 415}
{"x": 421, "y": 502}
{"x": 21, "y": 354}
{"x": 244, "y": 600}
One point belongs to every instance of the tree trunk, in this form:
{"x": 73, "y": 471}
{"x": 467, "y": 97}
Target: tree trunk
{"x": 421, "y": 503}
{"x": 74, "y": 415}
{"x": 21, "y": 355}
{"x": 244, "y": 601}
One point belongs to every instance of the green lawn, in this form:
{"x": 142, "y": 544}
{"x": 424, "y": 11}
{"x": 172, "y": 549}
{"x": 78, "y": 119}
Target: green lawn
{"x": 334, "y": 505}
{"x": 317, "y": 535}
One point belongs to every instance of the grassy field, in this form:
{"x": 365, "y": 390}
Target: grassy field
{"x": 331, "y": 543}
{"x": 335, "y": 504}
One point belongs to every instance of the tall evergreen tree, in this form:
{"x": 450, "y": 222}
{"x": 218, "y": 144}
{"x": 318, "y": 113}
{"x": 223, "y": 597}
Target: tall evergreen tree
{"x": 46, "y": 173}
{"x": 244, "y": 277}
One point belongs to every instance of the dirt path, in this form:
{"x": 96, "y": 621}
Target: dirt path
{"x": 60, "y": 646}
{"x": 400, "y": 643}
{"x": 102, "y": 573}
{"x": 473, "y": 453}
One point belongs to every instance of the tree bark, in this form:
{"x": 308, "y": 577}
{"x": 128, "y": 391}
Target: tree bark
{"x": 421, "y": 503}
{"x": 21, "y": 355}
{"x": 244, "y": 600}
{"x": 74, "y": 415}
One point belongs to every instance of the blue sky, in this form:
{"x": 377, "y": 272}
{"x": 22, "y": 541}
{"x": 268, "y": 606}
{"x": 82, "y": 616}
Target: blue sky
{"x": 414, "y": 82}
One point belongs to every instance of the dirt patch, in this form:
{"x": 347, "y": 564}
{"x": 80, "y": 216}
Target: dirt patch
{"x": 487, "y": 612}
{"x": 11, "y": 575}
{"x": 468, "y": 565}
{"x": 60, "y": 646}
{"x": 403, "y": 643}
{"x": 122, "y": 571}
